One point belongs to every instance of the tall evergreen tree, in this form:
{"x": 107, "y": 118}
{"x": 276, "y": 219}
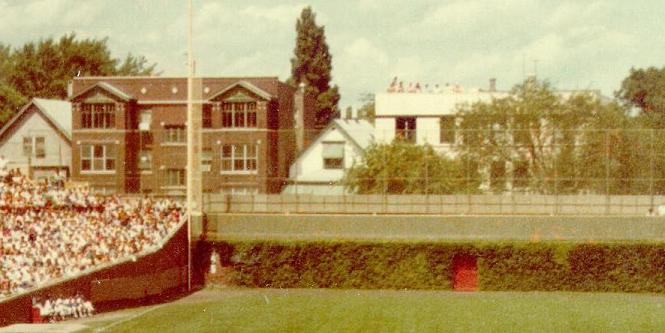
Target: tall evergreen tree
{"x": 312, "y": 65}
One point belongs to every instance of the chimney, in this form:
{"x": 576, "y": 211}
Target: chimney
{"x": 492, "y": 84}
{"x": 70, "y": 89}
{"x": 299, "y": 116}
{"x": 349, "y": 113}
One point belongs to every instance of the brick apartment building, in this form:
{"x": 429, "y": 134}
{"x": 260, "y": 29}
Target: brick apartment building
{"x": 129, "y": 136}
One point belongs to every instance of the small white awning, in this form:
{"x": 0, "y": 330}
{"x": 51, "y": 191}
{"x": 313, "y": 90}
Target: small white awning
{"x": 333, "y": 149}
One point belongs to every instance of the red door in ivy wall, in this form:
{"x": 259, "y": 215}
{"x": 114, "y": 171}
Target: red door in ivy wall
{"x": 465, "y": 273}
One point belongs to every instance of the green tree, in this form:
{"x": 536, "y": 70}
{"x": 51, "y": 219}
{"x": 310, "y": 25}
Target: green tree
{"x": 527, "y": 139}
{"x": 312, "y": 65}
{"x": 368, "y": 110}
{"x": 10, "y": 100}
{"x": 645, "y": 89}
{"x": 403, "y": 168}
{"x": 43, "y": 69}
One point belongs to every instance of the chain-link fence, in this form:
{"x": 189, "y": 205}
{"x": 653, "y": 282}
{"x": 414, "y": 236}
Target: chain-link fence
{"x": 510, "y": 170}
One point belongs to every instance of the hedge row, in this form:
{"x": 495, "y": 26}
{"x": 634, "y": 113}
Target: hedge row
{"x": 501, "y": 266}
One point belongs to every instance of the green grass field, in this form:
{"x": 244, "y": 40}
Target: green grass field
{"x": 316, "y": 310}
{"x": 435, "y": 228}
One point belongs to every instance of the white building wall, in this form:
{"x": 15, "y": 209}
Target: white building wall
{"x": 57, "y": 150}
{"x": 427, "y": 130}
{"x": 384, "y": 130}
{"x": 309, "y": 166}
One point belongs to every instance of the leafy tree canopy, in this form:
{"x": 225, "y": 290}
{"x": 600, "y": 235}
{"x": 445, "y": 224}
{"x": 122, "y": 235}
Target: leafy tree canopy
{"x": 368, "y": 110}
{"x": 645, "y": 90}
{"x": 44, "y": 68}
{"x": 404, "y": 168}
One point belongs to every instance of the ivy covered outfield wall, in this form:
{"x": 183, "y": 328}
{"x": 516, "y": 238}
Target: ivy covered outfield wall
{"x": 626, "y": 267}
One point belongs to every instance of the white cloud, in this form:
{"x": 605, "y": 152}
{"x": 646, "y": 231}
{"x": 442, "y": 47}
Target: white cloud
{"x": 283, "y": 14}
{"x": 576, "y": 42}
{"x": 358, "y": 67}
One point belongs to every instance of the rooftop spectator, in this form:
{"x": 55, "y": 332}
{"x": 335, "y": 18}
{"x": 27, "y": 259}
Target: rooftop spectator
{"x": 393, "y": 86}
{"x": 412, "y": 88}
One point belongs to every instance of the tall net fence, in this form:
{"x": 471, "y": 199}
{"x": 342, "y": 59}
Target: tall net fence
{"x": 541, "y": 166}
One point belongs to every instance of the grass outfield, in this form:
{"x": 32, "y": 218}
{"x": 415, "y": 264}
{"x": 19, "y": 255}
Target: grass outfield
{"x": 317, "y": 310}
{"x": 434, "y": 228}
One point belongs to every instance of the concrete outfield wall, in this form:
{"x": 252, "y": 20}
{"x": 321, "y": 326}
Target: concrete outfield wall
{"x": 130, "y": 283}
{"x": 518, "y": 204}
{"x": 433, "y": 228}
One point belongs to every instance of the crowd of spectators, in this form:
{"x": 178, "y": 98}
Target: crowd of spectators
{"x": 397, "y": 86}
{"x": 64, "y": 308}
{"x": 49, "y": 232}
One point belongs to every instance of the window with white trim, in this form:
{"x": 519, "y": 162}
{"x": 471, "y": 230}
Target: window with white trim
{"x": 98, "y": 115}
{"x": 97, "y": 157}
{"x": 175, "y": 177}
{"x": 175, "y": 134}
{"x": 239, "y": 158}
{"x": 34, "y": 146}
{"x": 240, "y": 190}
{"x": 333, "y": 155}
{"x": 145, "y": 120}
{"x": 239, "y": 115}
{"x": 145, "y": 160}
{"x": 206, "y": 160}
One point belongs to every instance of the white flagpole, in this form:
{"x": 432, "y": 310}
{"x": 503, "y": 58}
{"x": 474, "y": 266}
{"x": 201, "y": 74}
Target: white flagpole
{"x": 190, "y": 146}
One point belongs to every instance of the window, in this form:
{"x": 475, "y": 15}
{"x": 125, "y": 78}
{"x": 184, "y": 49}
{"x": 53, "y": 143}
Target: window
{"x": 98, "y": 115}
{"x": 145, "y": 160}
{"x": 27, "y": 146}
{"x": 498, "y": 175}
{"x": 239, "y": 158}
{"x": 175, "y": 134}
{"x": 241, "y": 190}
{"x": 97, "y": 157}
{"x": 405, "y": 129}
{"x": 447, "y": 129}
{"x": 333, "y": 155}
{"x": 40, "y": 151}
{"x": 145, "y": 120}
{"x": 239, "y": 115}
{"x": 206, "y": 117}
{"x": 521, "y": 174}
{"x": 34, "y": 146}
{"x": 146, "y": 138}
{"x": 175, "y": 177}
{"x": 206, "y": 160}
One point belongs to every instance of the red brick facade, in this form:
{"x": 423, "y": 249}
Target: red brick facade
{"x": 127, "y": 133}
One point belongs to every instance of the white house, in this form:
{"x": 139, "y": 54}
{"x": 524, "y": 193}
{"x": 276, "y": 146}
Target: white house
{"x": 320, "y": 167}
{"x": 37, "y": 140}
{"x": 430, "y": 117}
{"x": 425, "y": 117}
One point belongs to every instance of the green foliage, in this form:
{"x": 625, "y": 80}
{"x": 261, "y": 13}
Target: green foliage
{"x": 403, "y": 168}
{"x": 645, "y": 89}
{"x": 556, "y": 140}
{"x": 44, "y": 68}
{"x": 134, "y": 65}
{"x": 634, "y": 267}
{"x": 312, "y": 65}
{"x": 368, "y": 110}
{"x": 10, "y": 102}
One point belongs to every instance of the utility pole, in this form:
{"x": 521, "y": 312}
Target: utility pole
{"x": 194, "y": 140}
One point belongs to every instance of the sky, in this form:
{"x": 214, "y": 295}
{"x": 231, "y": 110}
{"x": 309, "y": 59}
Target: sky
{"x": 572, "y": 44}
